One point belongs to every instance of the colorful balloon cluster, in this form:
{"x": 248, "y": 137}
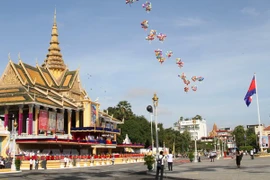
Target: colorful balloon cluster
{"x": 131, "y": 1}
{"x": 148, "y": 6}
{"x": 159, "y": 56}
{"x": 158, "y": 52}
{"x": 145, "y": 24}
{"x": 187, "y": 82}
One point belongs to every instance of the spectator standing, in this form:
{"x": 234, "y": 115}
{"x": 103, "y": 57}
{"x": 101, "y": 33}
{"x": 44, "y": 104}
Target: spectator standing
{"x": 170, "y": 161}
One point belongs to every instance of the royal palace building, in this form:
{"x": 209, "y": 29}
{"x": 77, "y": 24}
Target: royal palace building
{"x": 50, "y": 109}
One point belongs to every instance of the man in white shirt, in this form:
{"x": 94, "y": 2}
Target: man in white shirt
{"x": 65, "y": 161}
{"x": 31, "y": 163}
{"x": 160, "y": 165}
{"x": 170, "y": 161}
{"x": 251, "y": 154}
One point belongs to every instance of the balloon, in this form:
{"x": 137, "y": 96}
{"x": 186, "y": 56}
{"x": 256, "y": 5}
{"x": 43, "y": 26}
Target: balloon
{"x": 149, "y": 108}
{"x": 186, "y": 89}
{"x": 169, "y": 54}
{"x": 194, "y": 88}
{"x": 158, "y": 52}
{"x": 153, "y": 32}
{"x": 200, "y": 78}
{"x": 161, "y": 60}
{"x": 182, "y": 76}
{"x": 130, "y": 1}
{"x": 161, "y": 37}
{"x": 179, "y": 62}
{"x": 148, "y": 6}
{"x": 186, "y": 82}
{"x": 194, "y": 78}
{"x": 145, "y": 24}
{"x": 150, "y": 37}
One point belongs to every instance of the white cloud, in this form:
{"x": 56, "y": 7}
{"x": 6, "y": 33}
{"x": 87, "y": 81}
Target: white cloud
{"x": 188, "y": 21}
{"x": 138, "y": 92}
{"x": 250, "y": 11}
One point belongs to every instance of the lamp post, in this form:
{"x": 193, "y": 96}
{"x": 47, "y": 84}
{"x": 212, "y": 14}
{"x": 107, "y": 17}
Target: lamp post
{"x": 222, "y": 147}
{"x": 245, "y": 137}
{"x": 215, "y": 144}
{"x": 149, "y": 108}
{"x": 195, "y": 141}
{"x": 14, "y": 127}
{"x": 155, "y": 103}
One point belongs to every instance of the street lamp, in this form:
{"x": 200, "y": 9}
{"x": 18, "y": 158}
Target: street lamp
{"x": 215, "y": 143}
{"x": 245, "y": 137}
{"x": 149, "y": 108}
{"x": 155, "y": 103}
{"x": 195, "y": 140}
{"x": 14, "y": 127}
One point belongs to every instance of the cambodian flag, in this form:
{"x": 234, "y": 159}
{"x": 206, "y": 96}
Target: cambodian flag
{"x": 251, "y": 91}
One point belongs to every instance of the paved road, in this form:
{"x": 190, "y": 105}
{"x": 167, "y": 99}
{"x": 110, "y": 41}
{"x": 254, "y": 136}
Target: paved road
{"x": 259, "y": 168}
{"x": 116, "y": 172}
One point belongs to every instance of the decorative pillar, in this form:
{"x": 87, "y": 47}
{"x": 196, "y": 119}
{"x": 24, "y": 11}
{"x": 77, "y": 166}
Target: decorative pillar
{"x": 77, "y": 118}
{"x": 6, "y": 117}
{"x": 20, "y": 119}
{"x": 69, "y": 120}
{"x": 97, "y": 115}
{"x": 53, "y": 131}
{"x": 110, "y": 151}
{"x": 37, "y": 107}
{"x": 94, "y": 151}
{"x": 30, "y": 119}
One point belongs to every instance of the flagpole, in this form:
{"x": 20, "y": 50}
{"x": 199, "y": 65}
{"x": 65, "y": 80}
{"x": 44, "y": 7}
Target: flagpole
{"x": 258, "y": 111}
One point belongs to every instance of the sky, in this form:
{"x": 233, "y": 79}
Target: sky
{"x": 225, "y": 42}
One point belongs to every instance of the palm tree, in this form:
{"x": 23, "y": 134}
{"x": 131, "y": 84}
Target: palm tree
{"x": 124, "y": 109}
{"x": 198, "y": 117}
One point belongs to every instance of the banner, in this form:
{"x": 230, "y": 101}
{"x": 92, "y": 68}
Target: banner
{"x": 60, "y": 122}
{"x": 52, "y": 121}
{"x": 43, "y": 120}
{"x": 264, "y": 142}
{"x": 93, "y": 114}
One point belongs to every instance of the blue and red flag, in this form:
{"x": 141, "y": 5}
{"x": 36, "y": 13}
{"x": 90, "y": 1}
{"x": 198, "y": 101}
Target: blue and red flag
{"x": 251, "y": 91}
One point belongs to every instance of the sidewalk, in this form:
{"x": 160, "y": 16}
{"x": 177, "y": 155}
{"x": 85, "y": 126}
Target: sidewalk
{"x": 222, "y": 169}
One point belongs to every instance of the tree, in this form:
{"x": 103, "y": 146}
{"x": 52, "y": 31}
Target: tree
{"x": 251, "y": 138}
{"x": 185, "y": 141}
{"x": 197, "y": 117}
{"x": 121, "y": 110}
{"x": 137, "y": 127}
{"x": 239, "y": 134}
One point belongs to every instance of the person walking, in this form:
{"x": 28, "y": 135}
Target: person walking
{"x": 160, "y": 165}
{"x": 36, "y": 163}
{"x": 251, "y": 154}
{"x": 170, "y": 161}
{"x": 65, "y": 161}
{"x": 212, "y": 156}
{"x": 113, "y": 159}
{"x": 238, "y": 158}
{"x": 31, "y": 163}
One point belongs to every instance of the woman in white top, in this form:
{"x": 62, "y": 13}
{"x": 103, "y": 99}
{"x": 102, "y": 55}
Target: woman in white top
{"x": 170, "y": 161}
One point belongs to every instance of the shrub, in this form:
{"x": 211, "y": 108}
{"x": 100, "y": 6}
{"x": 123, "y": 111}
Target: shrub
{"x": 18, "y": 163}
{"x": 149, "y": 160}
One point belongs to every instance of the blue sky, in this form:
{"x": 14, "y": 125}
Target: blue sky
{"x": 223, "y": 41}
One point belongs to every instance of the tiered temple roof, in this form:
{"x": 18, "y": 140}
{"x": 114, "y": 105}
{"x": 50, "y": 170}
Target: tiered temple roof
{"x": 52, "y": 83}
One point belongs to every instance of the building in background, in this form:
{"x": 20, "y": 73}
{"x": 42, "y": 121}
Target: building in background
{"x": 223, "y": 138}
{"x": 256, "y": 127}
{"x": 196, "y": 127}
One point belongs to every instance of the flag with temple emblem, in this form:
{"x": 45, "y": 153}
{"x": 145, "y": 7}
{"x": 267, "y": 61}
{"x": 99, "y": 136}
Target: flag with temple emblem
{"x": 251, "y": 91}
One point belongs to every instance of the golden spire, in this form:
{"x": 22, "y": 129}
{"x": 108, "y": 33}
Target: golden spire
{"x": 54, "y": 60}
